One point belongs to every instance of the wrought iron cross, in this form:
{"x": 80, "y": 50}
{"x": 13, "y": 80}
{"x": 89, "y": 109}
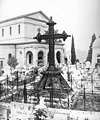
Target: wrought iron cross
{"x": 51, "y": 36}
{"x": 50, "y": 74}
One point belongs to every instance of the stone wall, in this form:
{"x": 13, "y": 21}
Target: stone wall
{"x": 62, "y": 114}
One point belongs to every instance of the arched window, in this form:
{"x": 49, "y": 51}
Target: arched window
{"x": 29, "y": 57}
{"x": 1, "y": 88}
{"x": 40, "y": 58}
{"x": 58, "y": 56}
{"x": 98, "y": 58}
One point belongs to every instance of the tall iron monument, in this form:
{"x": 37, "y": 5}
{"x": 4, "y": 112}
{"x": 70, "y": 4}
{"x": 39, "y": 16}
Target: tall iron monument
{"x": 52, "y": 84}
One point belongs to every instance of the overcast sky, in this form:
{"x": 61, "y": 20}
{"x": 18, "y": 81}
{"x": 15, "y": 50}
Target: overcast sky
{"x": 78, "y": 17}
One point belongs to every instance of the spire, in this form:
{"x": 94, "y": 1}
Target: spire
{"x": 73, "y": 55}
{"x": 89, "y": 56}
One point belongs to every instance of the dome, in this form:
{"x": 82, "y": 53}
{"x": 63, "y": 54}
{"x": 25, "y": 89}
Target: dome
{"x": 96, "y": 43}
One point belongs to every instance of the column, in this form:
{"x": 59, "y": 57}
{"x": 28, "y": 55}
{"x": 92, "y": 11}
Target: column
{"x": 35, "y": 50}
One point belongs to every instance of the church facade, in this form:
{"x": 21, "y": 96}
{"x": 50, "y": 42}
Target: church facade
{"x": 16, "y": 39}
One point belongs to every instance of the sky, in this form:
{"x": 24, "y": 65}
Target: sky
{"x": 80, "y": 18}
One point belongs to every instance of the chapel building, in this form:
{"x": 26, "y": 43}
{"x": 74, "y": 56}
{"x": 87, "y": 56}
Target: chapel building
{"x": 16, "y": 39}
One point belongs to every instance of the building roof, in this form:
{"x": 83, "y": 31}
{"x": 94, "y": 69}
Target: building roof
{"x": 96, "y": 43}
{"x": 26, "y": 16}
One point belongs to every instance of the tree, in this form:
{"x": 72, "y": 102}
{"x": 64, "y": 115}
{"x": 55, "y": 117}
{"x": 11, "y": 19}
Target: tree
{"x": 89, "y": 57}
{"x": 12, "y": 62}
{"x": 73, "y": 55}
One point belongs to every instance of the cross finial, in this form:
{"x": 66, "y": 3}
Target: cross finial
{"x": 38, "y": 30}
{"x": 51, "y": 19}
{"x": 51, "y": 22}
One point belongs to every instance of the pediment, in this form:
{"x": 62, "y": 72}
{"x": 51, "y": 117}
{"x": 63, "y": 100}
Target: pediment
{"x": 38, "y": 15}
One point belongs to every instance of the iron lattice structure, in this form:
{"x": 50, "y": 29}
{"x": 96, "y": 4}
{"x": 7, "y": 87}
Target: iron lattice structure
{"x": 20, "y": 91}
{"x": 52, "y": 85}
